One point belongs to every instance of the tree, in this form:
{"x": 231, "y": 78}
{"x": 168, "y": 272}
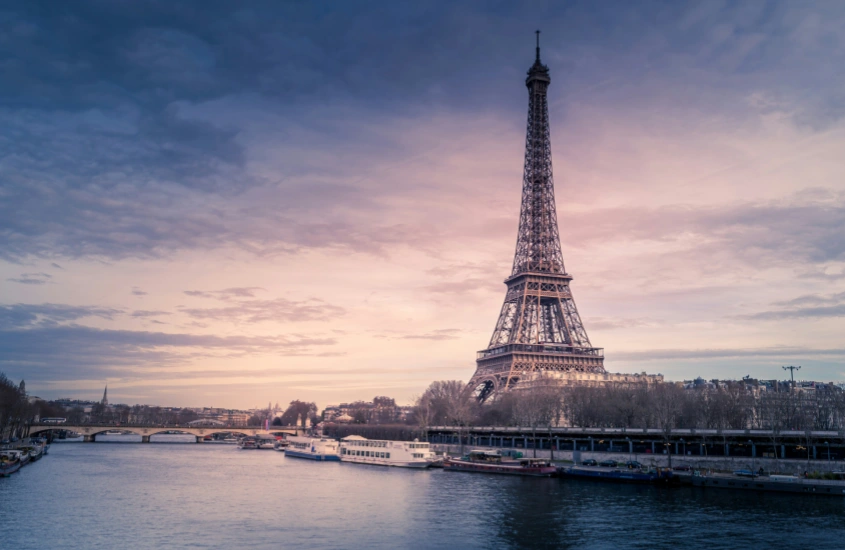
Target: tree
{"x": 450, "y": 404}
{"x": 187, "y": 415}
{"x": 499, "y": 412}
{"x": 423, "y": 413}
{"x": 76, "y": 415}
{"x": 538, "y": 406}
{"x": 668, "y": 399}
{"x": 359, "y": 416}
{"x": 13, "y": 406}
{"x": 298, "y": 411}
{"x": 382, "y": 401}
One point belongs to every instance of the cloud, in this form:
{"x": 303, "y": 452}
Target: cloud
{"x": 704, "y": 354}
{"x": 784, "y": 231}
{"x": 434, "y": 335}
{"x": 806, "y": 306}
{"x": 487, "y": 284}
{"x": 278, "y": 310}
{"x": 603, "y": 323}
{"x": 138, "y": 292}
{"x": 226, "y": 293}
{"x": 798, "y": 313}
{"x": 61, "y": 352}
{"x": 45, "y": 315}
{"x": 32, "y": 279}
{"x": 812, "y": 299}
{"x": 149, "y": 313}
{"x": 205, "y": 127}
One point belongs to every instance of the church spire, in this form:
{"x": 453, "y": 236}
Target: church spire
{"x": 105, "y": 400}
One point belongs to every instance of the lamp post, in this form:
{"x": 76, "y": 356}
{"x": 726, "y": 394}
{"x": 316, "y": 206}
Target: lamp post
{"x": 792, "y": 370}
{"x": 628, "y": 439}
{"x": 753, "y": 462}
{"x": 828, "y": 451}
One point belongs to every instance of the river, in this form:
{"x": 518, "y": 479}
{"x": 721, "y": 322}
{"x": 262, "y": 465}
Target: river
{"x": 175, "y": 494}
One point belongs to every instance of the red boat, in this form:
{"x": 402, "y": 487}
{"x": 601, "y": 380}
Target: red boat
{"x": 491, "y": 462}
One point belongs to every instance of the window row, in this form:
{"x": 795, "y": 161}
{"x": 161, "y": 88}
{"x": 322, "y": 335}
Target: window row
{"x": 370, "y": 454}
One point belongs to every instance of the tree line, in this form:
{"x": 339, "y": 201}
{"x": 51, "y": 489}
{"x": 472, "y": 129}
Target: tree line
{"x": 663, "y": 406}
{"x": 14, "y": 407}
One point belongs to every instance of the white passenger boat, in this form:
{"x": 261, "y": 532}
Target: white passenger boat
{"x": 314, "y": 448}
{"x": 404, "y": 454}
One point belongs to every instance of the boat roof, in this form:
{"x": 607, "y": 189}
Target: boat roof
{"x": 354, "y": 438}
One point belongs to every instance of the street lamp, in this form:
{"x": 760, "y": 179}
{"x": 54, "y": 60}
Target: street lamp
{"x": 792, "y": 370}
{"x": 753, "y": 463}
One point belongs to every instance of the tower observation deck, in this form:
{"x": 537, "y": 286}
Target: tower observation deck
{"x": 539, "y": 331}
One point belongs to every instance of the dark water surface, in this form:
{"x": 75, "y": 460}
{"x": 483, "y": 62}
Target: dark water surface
{"x": 184, "y": 495}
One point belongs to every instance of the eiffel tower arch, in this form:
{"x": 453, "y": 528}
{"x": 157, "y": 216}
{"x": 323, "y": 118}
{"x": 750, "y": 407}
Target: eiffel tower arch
{"x": 539, "y": 331}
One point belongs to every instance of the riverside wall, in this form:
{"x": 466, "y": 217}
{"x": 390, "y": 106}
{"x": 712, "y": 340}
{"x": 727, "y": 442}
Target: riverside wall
{"x": 718, "y": 463}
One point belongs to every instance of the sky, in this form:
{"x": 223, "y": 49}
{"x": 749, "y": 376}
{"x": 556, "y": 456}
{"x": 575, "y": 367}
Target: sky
{"x": 229, "y": 204}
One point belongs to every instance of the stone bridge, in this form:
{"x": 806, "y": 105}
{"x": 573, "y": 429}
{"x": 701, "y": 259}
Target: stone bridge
{"x": 91, "y": 431}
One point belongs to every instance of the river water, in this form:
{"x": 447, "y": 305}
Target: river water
{"x": 176, "y": 494}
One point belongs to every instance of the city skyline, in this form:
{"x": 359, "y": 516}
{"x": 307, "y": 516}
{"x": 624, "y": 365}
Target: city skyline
{"x": 212, "y": 207}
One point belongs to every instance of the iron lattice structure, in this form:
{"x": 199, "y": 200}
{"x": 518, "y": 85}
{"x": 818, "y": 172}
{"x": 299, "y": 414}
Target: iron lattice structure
{"x": 539, "y": 330}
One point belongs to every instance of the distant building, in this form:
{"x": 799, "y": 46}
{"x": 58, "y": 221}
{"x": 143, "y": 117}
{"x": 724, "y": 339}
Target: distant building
{"x": 594, "y": 379}
{"x": 381, "y": 410}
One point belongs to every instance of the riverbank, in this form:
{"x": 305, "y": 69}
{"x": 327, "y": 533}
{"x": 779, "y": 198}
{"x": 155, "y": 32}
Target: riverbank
{"x": 728, "y": 464}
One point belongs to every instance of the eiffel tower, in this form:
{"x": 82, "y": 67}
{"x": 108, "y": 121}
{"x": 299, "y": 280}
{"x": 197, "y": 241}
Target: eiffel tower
{"x": 539, "y": 331}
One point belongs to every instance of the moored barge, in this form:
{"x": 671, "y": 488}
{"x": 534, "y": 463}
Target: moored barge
{"x": 769, "y": 484}
{"x": 492, "y": 462}
{"x": 10, "y": 462}
{"x": 652, "y": 475}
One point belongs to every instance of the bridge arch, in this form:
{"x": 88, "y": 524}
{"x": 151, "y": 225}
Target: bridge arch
{"x": 90, "y": 431}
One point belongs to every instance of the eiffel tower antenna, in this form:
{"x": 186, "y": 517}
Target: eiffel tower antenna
{"x": 539, "y": 331}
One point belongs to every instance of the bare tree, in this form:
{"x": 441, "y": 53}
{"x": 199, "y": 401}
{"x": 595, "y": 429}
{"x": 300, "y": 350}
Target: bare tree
{"x": 424, "y": 413}
{"x": 539, "y": 406}
{"x": 668, "y": 399}
{"x": 450, "y": 404}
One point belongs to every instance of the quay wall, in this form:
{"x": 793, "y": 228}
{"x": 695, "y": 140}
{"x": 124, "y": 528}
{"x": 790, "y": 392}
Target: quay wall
{"x": 722, "y": 463}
